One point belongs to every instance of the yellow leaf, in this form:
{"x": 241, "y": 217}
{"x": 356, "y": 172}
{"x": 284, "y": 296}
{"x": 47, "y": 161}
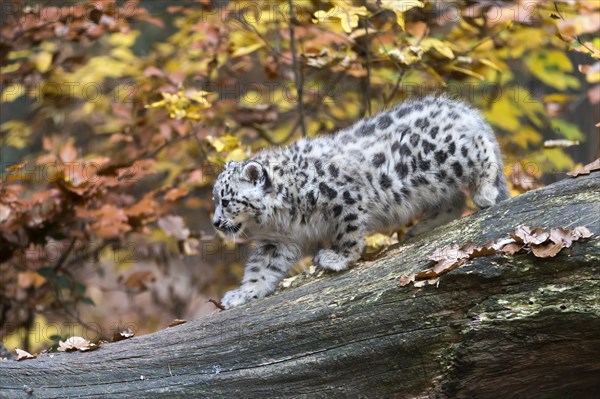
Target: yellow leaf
{"x": 400, "y": 7}
{"x": 49, "y": 47}
{"x": 349, "y": 22}
{"x": 437, "y": 44}
{"x": 236, "y": 155}
{"x": 520, "y": 41}
{"x": 200, "y": 96}
{"x": 281, "y": 97}
{"x": 491, "y": 64}
{"x": 12, "y": 92}
{"x": 400, "y": 19}
{"x": 551, "y": 67}
{"x": 559, "y": 98}
{"x": 240, "y": 51}
{"x": 527, "y": 104}
{"x": 378, "y": 241}
{"x": 180, "y": 106}
{"x": 346, "y": 108}
{"x": 350, "y": 17}
{"x": 436, "y": 75}
{"x": 568, "y": 130}
{"x": 223, "y": 143}
{"x": 526, "y": 136}
{"x": 14, "y": 55}
{"x": 122, "y": 54}
{"x": 504, "y": 114}
{"x": 467, "y": 72}
{"x": 157, "y": 104}
{"x": 321, "y": 16}
{"x": 43, "y": 61}
{"x": 316, "y": 127}
{"x": 10, "y": 68}
{"x": 557, "y": 159}
{"x": 18, "y": 133}
{"x": 123, "y": 39}
{"x": 345, "y": 13}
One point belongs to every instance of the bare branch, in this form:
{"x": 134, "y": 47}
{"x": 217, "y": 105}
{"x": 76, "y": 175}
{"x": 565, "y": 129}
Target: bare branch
{"x": 298, "y": 78}
{"x": 368, "y": 77}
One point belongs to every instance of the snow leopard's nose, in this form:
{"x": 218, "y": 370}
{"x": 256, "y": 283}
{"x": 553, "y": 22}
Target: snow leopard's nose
{"x": 217, "y": 223}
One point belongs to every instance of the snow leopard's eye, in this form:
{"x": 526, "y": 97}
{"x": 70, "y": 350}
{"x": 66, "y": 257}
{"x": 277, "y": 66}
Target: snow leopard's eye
{"x": 224, "y": 203}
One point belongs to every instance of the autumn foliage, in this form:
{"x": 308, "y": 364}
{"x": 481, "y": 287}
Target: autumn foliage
{"x": 117, "y": 116}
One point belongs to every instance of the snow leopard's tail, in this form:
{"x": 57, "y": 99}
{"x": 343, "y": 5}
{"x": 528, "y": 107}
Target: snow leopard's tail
{"x": 490, "y": 184}
{"x": 503, "y": 192}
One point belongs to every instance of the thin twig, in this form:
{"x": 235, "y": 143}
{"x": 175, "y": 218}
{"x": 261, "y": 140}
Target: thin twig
{"x": 261, "y": 36}
{"x": 217, "y": 303}
{"x": 577, "y": 38}
{"x": 164, "y": 145}
{"x": 368, "y": 77}
{"x": 479, "y": 43}
{"x": 265, "y": 135}
{"x": 74, "y": 315}
{"x": 58, "y": 293}
{"x": 63, "y": 257}
{"x": 401, "y": 71}
{"x": 262, "y": 132}
{"x": 299, "y": 82}
{"x": 21, "y": 32}
{"x": 387, "y": 100}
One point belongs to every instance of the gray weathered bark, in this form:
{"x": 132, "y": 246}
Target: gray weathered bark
{"x": 500, "y": 326}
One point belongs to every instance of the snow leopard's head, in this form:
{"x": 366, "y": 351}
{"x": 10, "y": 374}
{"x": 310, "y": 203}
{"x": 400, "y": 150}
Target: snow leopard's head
{"x": 238, "y": 194}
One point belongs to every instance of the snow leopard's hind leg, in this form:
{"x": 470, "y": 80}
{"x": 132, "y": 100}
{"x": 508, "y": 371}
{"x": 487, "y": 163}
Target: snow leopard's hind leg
{"x": 439, "y": 215}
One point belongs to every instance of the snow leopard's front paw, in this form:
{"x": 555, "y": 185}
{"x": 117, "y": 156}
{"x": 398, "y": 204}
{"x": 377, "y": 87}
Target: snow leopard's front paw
{"x": 329, "y": 259}
{"x": 236, "y": 298}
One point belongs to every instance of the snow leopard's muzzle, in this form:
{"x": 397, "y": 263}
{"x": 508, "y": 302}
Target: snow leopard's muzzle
{"x": 226, "y": 226}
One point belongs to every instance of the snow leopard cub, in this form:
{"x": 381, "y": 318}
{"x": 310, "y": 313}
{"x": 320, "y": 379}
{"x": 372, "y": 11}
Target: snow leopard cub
{"x": 322, "y": 196}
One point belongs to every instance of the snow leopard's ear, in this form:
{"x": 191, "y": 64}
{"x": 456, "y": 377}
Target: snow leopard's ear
{"x": 253, "y": 171}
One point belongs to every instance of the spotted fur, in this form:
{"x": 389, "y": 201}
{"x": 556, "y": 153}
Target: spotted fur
{"x": 322, "y": 196}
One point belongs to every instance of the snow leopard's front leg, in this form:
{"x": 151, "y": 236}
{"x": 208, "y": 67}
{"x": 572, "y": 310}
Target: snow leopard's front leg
{"x": 347, "y": 244}
{"x": 267, "y": 266}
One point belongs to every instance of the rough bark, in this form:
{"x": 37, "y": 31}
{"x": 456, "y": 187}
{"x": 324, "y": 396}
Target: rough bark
{"x": 500, "y": 326}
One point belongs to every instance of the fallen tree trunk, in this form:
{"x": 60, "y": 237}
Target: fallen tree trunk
{"x": 500, "y": 326}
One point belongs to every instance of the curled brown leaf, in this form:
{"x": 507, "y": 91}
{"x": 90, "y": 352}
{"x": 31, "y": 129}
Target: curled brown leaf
{"x": 587, "y": 169}
{"x": 177, "y": 322}
{"x": 76, "y": 344}
{"x": 24, "y": 355}
{"x": 121, "y": 335}
{"x": 543, "y": 243}
{"x": 547, "y": 250}
{"x": 405, "y": 280}
{"x": 217, "y": 303}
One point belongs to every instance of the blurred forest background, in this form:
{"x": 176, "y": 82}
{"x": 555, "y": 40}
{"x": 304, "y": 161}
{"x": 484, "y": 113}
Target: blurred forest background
{"x": 116, "y": 117}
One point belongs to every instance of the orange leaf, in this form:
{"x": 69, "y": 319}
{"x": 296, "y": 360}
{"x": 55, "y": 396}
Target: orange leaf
{"x": 140, "y": 280}
{"x": 175, "y": 193}
{"x": 68, "y": 153}
{"x": 30, "y": 279}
